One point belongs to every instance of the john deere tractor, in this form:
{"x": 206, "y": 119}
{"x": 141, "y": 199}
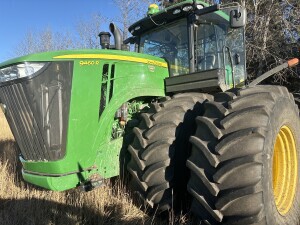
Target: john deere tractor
{"x": 176, "y": 115}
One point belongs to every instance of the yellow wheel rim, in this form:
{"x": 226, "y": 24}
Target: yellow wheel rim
{"x": 285, "y": 170}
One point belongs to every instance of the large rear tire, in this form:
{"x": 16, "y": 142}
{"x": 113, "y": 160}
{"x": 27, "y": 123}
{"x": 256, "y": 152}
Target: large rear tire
{"x": 245, "y": 159}
{"x": 161, "y": 147}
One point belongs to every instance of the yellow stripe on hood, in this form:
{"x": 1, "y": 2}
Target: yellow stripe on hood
{"x": 113, "y": 57}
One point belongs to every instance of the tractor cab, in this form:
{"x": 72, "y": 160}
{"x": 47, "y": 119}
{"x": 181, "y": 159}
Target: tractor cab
{"x": 201, "y": 41}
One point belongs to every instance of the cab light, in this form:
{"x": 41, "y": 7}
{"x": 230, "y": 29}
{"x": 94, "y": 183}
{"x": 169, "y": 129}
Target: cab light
{"x": 200, "y": 6}
{"x": 187, "y": 8}
{"x": 176, "y": 11}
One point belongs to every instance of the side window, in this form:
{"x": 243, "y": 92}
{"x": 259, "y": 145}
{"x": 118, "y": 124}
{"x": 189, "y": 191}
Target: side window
{"x": 235, "y": 41}
{"x": 207, "y": 48}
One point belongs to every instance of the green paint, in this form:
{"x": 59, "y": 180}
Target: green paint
{"x": 228, "y": 76}
{"x": 153, "y": 8}
{"x": 108, "y": 158}
{"x": 61, "y": 183}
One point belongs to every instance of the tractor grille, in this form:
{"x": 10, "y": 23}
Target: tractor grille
{"x": 23, "y": 124}
{"x": 37, "y": 111}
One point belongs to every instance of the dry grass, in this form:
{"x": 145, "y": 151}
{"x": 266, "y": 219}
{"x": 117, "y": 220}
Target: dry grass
{"x": 25, "y": 204}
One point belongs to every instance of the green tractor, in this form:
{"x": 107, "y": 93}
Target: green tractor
{"x": 175, "y": 115}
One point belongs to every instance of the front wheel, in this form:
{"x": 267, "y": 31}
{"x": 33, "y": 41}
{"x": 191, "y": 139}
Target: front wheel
{"x": 245, "y": 159}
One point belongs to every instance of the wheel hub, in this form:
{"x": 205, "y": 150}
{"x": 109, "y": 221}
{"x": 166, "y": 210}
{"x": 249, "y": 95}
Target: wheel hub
{"x": 285, "y": 170}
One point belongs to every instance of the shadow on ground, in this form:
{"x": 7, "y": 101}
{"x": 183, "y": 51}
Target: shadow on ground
{"x": 71, "y": 210}
{"x": 43, "y": 212}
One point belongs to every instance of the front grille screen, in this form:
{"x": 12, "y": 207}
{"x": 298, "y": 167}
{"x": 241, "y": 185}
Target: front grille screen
{"x": 37, "y": 111}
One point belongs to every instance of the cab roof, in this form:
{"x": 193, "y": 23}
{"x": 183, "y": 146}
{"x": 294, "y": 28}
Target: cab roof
{"x": 162, "y": 17}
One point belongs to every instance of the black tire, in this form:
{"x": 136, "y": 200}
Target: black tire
{"x": 232, "y": 159}
{"x": 161, "y": 147}
{"x": 124, "y": 157}
{"x": 297, "y": 98}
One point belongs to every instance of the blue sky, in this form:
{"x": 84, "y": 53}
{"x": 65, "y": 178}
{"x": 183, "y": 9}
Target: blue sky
{"x": 17, "y": 17}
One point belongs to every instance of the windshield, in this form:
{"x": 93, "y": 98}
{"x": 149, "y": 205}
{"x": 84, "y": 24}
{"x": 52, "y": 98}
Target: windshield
{"x": 216, "y": 46}
{"x": 171, "y": 43}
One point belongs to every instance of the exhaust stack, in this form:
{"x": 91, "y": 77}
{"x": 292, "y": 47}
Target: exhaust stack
{"x": 117, "y": 35}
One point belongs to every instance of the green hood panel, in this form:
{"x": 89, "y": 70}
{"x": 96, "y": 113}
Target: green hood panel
{"x": 117, "y": 75}
{"x": 87, "y": 54}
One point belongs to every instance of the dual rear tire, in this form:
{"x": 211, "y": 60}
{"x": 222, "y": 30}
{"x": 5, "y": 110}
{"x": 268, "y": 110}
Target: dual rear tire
{"x": 242, "y": 163}
{"x": 160, "y": 150}
{"x": 245, "y": 159}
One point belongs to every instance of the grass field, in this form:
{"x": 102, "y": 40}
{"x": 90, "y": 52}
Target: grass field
{"x": 25, "y": 204}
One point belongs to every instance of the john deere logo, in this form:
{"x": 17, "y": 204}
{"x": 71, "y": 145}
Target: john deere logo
{"x": 151, "y": 68}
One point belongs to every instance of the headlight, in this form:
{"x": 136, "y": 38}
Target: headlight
{"x": 19, "y": 70}
{"x": 187, "y": 8}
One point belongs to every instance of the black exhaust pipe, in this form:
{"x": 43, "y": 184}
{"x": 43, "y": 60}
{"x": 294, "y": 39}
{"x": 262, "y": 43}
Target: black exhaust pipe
{"x": 117, "y": 35}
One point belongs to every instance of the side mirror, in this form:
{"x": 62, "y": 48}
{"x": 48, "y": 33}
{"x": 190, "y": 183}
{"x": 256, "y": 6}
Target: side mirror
{"x": 238, "y": 17}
